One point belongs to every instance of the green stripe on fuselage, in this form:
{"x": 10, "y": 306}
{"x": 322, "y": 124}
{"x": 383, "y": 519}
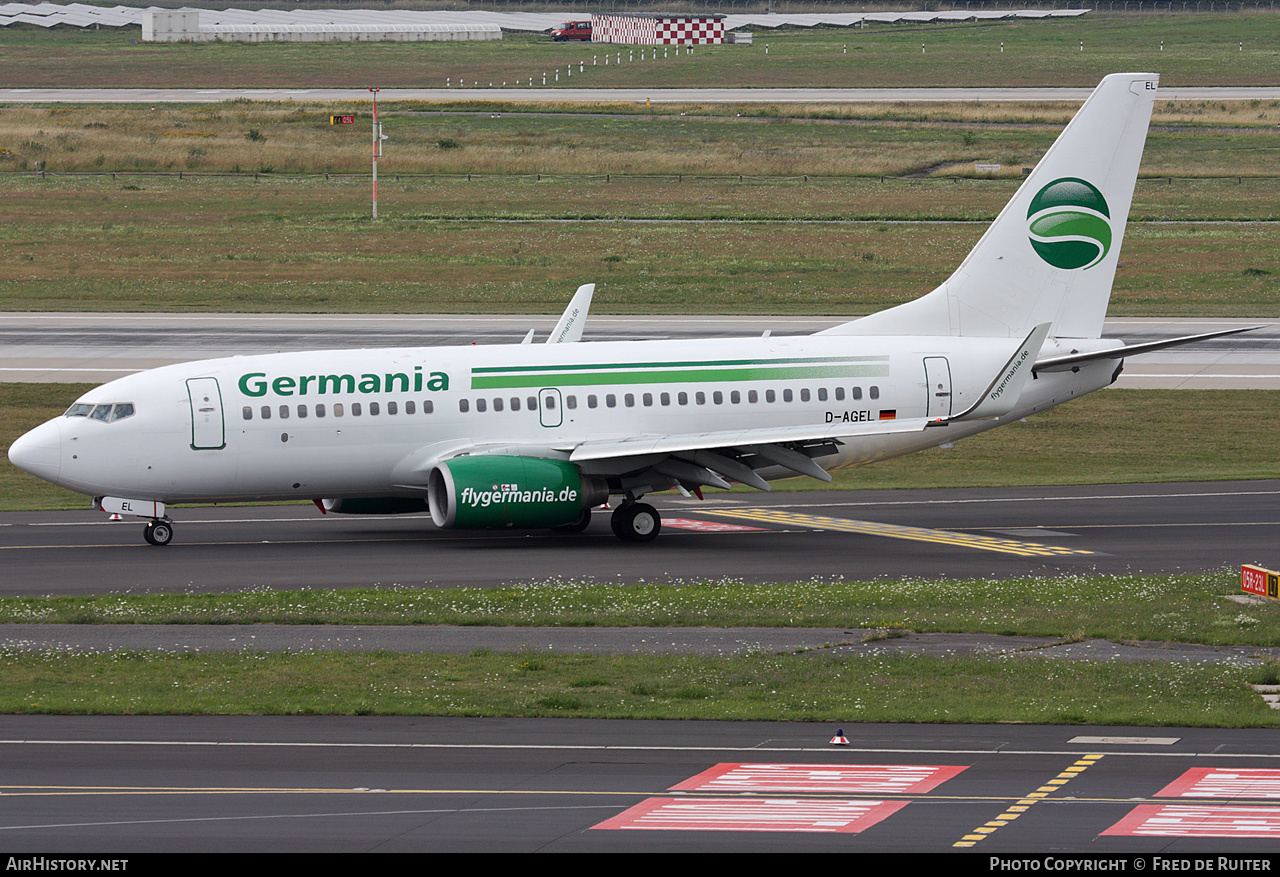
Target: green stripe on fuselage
{"x": 795, "y": 371}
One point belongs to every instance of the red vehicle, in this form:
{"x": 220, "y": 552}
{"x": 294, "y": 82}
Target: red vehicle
{"x": 572, "y": 30}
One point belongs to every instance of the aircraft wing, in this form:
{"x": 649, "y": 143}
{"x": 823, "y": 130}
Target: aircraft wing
{"x": 599, "y": 449}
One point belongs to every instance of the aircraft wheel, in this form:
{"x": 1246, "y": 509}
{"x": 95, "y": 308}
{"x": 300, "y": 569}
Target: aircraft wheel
{"x": 158, "y": 533}
{"x": 636, "y": 522}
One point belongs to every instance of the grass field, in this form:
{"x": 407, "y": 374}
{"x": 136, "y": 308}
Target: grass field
{"x": 1198, "y": 50}
{"x": 303, "y": 245}
{"x": 804, "y": 687}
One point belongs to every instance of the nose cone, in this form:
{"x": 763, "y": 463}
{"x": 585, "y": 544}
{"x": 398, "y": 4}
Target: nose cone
{"x": 39, "y": 452}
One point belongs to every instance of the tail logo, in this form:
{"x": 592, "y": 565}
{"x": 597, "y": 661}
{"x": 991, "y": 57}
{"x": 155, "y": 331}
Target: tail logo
{"x": 1069, "y": 224}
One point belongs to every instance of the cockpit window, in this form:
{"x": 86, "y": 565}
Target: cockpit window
{"x": 107, "y": 413}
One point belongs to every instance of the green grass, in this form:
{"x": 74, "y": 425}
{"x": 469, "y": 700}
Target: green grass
{"x": 305, "y": 245}
{"x": 1198, "y": 50}
{"x": 1174, "y": 608}
{"x": 763, "y": 688}
{"x": 1144, "y": 433}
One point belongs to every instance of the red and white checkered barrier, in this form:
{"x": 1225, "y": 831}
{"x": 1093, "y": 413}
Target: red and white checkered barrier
{"x": 658, "y": 30}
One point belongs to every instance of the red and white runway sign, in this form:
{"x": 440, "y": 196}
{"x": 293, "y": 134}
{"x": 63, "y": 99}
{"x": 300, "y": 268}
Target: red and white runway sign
{"x": 1198, "y": 820}
{"x": 873, "y": 779}
{"x": 1224, "y": 782}
{"x": 753, "y": 814}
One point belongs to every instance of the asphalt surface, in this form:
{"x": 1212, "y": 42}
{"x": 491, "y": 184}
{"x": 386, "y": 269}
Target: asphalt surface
{"x": 843, "y": 535}
{"x": 132, "y": 785}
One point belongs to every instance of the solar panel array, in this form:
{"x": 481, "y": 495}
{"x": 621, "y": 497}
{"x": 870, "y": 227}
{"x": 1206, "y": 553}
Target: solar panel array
{"x": 81, "y": 15}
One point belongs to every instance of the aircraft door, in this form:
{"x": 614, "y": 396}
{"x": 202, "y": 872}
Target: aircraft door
{"x": 550, "y": 407}
{"x": 208, "y": 430}
{"x": 937, "y": 377}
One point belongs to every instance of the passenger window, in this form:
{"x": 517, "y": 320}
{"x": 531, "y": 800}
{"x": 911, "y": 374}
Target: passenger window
{"x": 571, "y": 402}
{"x": 786, "y": 395}
{"x": 648, "y": 400}
{"x": 355, "y": 409}
{"x": 265, "y": 412}
{"x": 284, "y": 412}
{"x": 682, "y": 398}
{"x": 319, "y": 409}
{"x": 857, "y": 392}
{"x": 629, "y": 400}
{"x": 770, "y": 396}
{"x": 515, "y": 403}
{"x": 611, "y": 400}
{"x": 804, "y": 394}
{"x": 374, "y": 409}
{"x": 532, "y": 402}
{"x": 302, "y": 410}
{"x": 700, "y": 398}
{"x": 392, "y": 408}
{"x": 248, "y": 413}
{"x": 822, "y": 394}
{"x": 428, "y": 406}
{"x": 874, "y": 393}
{"x": 337, "y": 409}
{"x": 753, "y": 397}
{"x": 735, "y": 397}
{"x": 591, "y": 401}
{"x": 410, "y": 407}
{"x": 464, "y": 406}
{"x": 549, "y": 402}
{"x": 839, "y": 394}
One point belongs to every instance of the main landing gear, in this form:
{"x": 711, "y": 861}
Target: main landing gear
{"x": 636, "y": 522}
{"x": 158, "y": 532}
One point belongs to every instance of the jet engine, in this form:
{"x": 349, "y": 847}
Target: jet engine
{"x": 484, "y": 492}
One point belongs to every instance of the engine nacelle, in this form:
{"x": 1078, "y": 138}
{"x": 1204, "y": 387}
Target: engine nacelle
{"x": 482, "y": 492}
{"x": 376, "y": 505}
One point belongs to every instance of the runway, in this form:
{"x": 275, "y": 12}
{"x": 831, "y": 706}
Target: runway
{"x": 842, "y": 535}
{"x": 357, "y": 784}
{"x": 97, "y": 347}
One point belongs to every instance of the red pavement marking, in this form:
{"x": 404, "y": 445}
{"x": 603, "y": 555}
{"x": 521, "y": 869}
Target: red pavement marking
{"x": 1224, "y": 782}
{"x": 753, "y": 814}
{"x": 705, "y": 526}
{"x": 875, "y": 779}
{"x": 1197, "y": 820}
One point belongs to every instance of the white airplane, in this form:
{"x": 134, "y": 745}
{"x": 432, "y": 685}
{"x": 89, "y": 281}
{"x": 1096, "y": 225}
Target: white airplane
{"x": 536, "y": 436}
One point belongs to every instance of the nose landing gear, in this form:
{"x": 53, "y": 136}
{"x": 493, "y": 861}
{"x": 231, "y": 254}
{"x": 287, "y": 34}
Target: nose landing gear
{"x": 158, "y": 532}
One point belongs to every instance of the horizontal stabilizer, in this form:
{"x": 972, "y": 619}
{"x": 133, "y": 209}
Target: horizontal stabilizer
{"x": 1075, "y": 360}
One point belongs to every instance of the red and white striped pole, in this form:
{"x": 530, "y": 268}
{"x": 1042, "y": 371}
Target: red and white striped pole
{"x": 375, "y": 151}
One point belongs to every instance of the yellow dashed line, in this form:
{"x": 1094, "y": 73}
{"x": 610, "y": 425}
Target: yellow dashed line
{"x": 898, "y": 531}
{"x": 1012, "y": 813}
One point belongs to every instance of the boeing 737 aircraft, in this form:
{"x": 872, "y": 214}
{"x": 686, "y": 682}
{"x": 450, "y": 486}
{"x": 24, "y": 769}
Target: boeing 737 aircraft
{"x": 536, "y": 436}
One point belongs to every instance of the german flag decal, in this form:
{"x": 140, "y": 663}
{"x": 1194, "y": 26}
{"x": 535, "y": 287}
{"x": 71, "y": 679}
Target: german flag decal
{"x": 888, "y": 413}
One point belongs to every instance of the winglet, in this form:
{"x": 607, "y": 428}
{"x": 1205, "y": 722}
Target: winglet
{"x": 574, "y": 318}
{"x": 1002, "y": 394}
